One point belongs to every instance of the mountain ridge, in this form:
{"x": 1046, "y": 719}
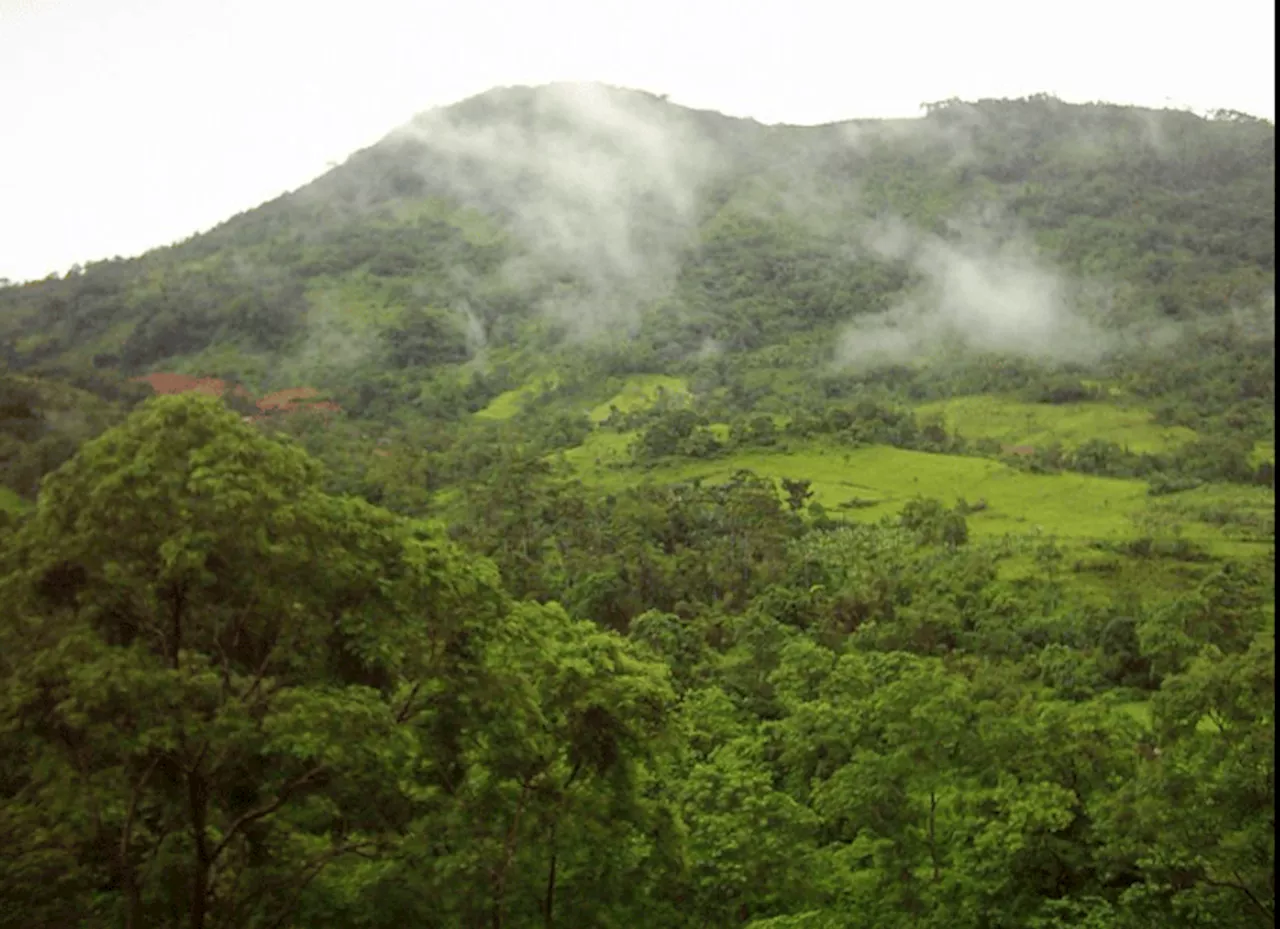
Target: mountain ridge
{"x": 527, "y": 218}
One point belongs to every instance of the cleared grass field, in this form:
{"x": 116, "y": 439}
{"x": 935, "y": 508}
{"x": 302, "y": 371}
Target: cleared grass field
{"x": 869, "y": 483}
{"x": 351, "y": 305}
{"x": 640, "y": 392}
{"x": 1014, "y": 422}
{"x": 509, "y": 403}
{"x": 476, "y": 228}
{"x": 1076, "y": 510}
{"x": 873, "y": 482}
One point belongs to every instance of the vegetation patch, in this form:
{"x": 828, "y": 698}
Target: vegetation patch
{"x": 639, "y": 393}
{"x": 1038, "y": 425}
{"x": 10, "y": 502}
{"x": 510, "y": 403}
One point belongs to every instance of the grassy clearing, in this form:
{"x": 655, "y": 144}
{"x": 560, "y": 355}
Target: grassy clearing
{"x": 637, "y": 393}
{"x": 873, "y": 482}
{"x": 869, "y": 483}
{"x": 1014, "y": 422}
{"x": 1239, "y": 512}
{"x": 640, "y": 392}
{"x": 602, "y": 458}
{"x": 508, "y": 404}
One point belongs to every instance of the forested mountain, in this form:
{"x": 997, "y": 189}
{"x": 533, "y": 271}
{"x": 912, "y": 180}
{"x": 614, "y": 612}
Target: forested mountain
{"x": 581, "y": 510}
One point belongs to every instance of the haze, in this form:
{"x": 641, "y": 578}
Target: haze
{"x": 132, "y": 123}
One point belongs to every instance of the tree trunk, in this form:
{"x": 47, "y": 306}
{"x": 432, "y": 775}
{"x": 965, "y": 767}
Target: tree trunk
{"x": 128, "y": 872}
{"x": 198, "y": 800}
{"x": 549, "y": 902}
{"x": 933, "y": 839}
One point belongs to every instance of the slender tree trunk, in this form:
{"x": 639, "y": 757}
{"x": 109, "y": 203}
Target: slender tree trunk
{"x": 500, "y": 888}
{"x": 197, "y": 798}
{"x": 132, "y": 899}
{"x": 128, "y": 873}
{"x": 177, "y": 605}
{"x": 549, "y": 901}
{"x": 933, "y": 843}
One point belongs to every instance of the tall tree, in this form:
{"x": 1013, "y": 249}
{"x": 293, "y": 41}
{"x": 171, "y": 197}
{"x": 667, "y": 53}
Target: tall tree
{"x": 210, "y": 665}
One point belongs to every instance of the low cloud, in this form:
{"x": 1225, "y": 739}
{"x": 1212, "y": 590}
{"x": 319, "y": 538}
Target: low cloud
{"x": 600, "y": 185}
{"x": 976, "y": 288}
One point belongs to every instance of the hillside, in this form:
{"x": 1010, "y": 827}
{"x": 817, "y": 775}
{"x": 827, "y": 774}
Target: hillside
{"x": 577, "y": 509}
{"x": 581, "y": 212}
{"x": 582, "y": 233}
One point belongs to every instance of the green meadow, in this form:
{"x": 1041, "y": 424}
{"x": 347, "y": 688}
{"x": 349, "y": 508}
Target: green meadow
{"x": 1015, "y": 422}
{"x": 640, "y": 392}
{"x": 873, "y": 482}
{"x": 509, "y": 404}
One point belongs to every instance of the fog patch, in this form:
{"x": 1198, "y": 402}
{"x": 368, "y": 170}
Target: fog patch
{"x": 473, "y": 329}
{"x": 710, "y": 348}
{"x": 598, "y": 183}
{"x": 331, "y": 340}
{"x": 977, "y": 288}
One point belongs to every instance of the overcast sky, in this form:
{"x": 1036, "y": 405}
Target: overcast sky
{"x": 127, "y": 124}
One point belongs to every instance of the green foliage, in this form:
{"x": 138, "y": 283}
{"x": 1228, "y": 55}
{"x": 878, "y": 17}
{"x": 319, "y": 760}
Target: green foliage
{"x": 711, "y": 627}
{"x": 236, "y": 694}
{"x": 679, "y": 432}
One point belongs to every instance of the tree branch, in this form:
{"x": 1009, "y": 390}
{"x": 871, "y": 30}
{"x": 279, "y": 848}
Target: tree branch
{"x": 133, "y": 905}
{"x": 408, "y": 703}
{"x": 266, "y": 809}
{"x": 1239, "y": 885}
{"x": 310, "y": 873}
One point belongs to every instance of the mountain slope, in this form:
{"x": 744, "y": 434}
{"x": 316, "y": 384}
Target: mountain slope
{"x": 578, "y": 234}
{"x": 585, "y": 209}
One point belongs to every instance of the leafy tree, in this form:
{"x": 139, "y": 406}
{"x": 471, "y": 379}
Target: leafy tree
{"x": 1198, "y": 824}
{"x": 798, "y": 493}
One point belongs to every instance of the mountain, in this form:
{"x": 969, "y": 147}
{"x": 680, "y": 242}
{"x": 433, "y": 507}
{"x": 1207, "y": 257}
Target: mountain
{"x": 587, "y": 210}
{"x": 585, "y": 228}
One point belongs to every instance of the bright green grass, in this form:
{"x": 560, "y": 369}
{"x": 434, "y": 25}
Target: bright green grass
{"x": 30, "y": 343}
{"x": 1152, "y": 578}
{"x": 640, "y": 392}
{"x": 602, "y": 457}
{"x": 886, "y": 478}
{"x": 1014, "y": 422}
{"x": 1139, "y": 711}
{"x": 1243, "y": 514}
{"x": 229, "y": 361}
{"x": 877, "y": 481}
{"x": 508, "y": 404}
{"x": 1262, "y": 451}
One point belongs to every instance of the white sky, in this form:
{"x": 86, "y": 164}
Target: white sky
{"x": 127, "y": 124}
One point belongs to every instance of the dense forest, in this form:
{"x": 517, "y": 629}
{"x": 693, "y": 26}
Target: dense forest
{"x": 578, "y": 510}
